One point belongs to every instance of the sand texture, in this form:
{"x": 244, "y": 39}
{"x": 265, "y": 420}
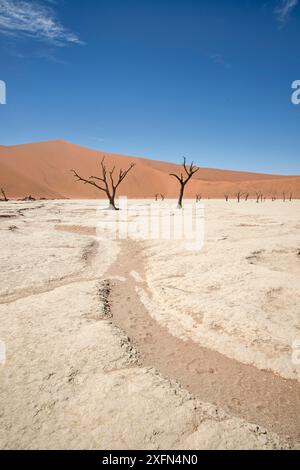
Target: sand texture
{"x": 144, "y": 344}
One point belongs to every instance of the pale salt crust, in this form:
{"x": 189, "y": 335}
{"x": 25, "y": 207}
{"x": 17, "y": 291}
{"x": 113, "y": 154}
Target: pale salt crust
{"x": 240, "y": 294}
{"x": 70, "y": 379}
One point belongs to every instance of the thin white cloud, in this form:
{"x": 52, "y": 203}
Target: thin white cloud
{"x": 19, "y": 17}
{"x": 219, "y": 59}
{"x": 97, "y": 139}
{"x": 284, "y": 9}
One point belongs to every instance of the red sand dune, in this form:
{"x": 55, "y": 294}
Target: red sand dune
{"x": 43, "y": 170}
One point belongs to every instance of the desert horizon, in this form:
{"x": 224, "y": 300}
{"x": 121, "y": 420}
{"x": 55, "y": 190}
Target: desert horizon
{"x": 43, "y": 169}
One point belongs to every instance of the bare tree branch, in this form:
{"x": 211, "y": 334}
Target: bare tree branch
{"x": 85, "y": 181}
{"x": 110, "y": 190}
{"x": 190, "y": 171}
{"x": 176, "y": 176}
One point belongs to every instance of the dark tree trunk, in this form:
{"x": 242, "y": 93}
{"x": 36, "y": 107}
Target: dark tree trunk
{"x": 184, "y": 179}
{"x": 181, "y": 196}
{"x": 4, "y": 195}
{"x": 112, "y": 203}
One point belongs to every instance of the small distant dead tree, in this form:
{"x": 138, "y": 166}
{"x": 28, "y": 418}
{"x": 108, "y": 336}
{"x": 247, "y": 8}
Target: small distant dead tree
{"x": 162, "y": 197}
{"x": 108, "y": 183}
{"x": 291, "y": 197}
{"x": 259, "y": 197}
{"x": 184, "y": 179}
{"x": 247, "y": 196}
{"x": 226, "y": 197}
{"x": 198, "y": 197}
{"x": 156, "y": 197}
{"x": 4, "y": 195}
{"x": 239, "y": 194}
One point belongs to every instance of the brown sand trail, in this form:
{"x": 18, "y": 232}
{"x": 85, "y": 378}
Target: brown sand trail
{"x": 43, "y": 170}
{"x": 76, "y": 229}
{"x": 258, "y": 396}
{"x": 242, "y": 390}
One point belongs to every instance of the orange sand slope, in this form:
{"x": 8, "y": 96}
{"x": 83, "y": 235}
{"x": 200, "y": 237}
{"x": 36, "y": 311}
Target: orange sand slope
{"x": 43, "y": 170}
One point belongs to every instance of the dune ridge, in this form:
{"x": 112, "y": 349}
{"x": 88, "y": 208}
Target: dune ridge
{"x": 43, "y": 170}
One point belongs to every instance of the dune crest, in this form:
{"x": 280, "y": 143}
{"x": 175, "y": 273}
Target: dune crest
{"x": 43, "y": 170}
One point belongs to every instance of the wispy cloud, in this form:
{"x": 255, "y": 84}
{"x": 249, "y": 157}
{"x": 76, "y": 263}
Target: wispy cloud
{"x": 284, "y": 10}
{"x": 219, "y": 59}
{"x": 24, "y": 18}
{"x": 97, "y": 139}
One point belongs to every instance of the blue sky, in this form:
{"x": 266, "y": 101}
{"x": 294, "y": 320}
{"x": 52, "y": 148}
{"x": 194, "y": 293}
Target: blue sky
{"x": 207, "y": 79}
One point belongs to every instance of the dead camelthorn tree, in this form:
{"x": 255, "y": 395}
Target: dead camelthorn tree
{"x": 184, "y": 179}
{"x": 226, "y": 197}
{"x": 259, "y": 197}
{"x": 4, "y": 195}
{"x": 162, "y": 197}
{"x": 239, "y": 194}
{"x": 109, "y": 184}
{"x": 198, "y": 197}
{"x": 291, "y": 197}
{"x": 283, "y": 197}
{"x": 247, "y": 196}
{"x": 156, "y": 197}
